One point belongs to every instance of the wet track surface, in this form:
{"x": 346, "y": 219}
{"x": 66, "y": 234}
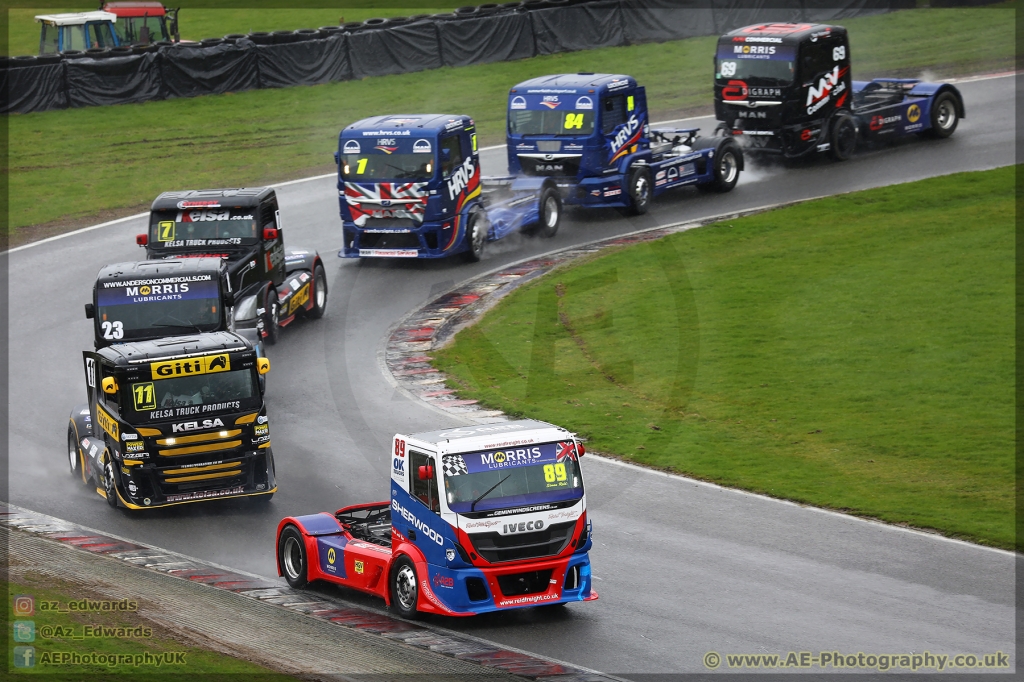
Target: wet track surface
{"x": 682, "y": 568}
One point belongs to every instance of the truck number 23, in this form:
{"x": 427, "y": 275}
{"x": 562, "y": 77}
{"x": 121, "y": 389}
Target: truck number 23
{"x": 112, "y": 330}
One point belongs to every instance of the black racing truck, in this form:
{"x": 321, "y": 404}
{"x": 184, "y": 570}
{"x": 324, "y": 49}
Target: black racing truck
{"x": 173, "y": 421}
{"x": 787, "y": 89}
{"x": 242, "y": 227}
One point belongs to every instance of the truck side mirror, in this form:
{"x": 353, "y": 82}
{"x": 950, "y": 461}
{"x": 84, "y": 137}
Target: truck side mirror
{"x": 90, "y": 311}
{"x": 109, "y": 385}
{"x": 580, "y": 450}
{"x": 142, "y": 239}
{"x": 269, "y": 234}
{"x": 425, "y": 473}
{"x": 229, "y": 298}
{"x": 262, "y": 365}
{"x": 337, "y": 159}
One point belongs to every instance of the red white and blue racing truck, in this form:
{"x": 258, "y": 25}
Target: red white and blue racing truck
{"x": 590, "y": 133}
{"x": 787, "y": 89}
{"x": 481, "y": 518}
{"x": 411, "y": 187}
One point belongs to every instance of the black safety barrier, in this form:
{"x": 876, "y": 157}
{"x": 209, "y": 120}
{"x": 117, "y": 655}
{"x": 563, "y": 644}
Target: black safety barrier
{"x": 189, "y": 71}
{"x": 579, "y": 27}
{"x": 380, "y": 47}
{"x": 114, "y": 80}
{"x": 399, "y": 49}
{"x": 307, "y": 62}
{"x": 34, "y": 88}
{"x": 491, "y": 37}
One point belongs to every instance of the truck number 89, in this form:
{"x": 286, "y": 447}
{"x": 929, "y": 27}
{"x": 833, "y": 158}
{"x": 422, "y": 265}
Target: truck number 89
{"x": 399, "y": 447}
{"x": 554, "y": 473}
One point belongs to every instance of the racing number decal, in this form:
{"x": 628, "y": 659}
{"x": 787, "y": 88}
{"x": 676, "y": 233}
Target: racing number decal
{"x": 165, "y": 231}
{"x": 838, "y": 53}
{"x": 573, "y": 121}
{"x": 113, "y": 330}
{"x": 399, "y": 447}
{"x": 554, "y": 475}
{"x": 145, "y": 396}
{"x": 361, "y": 165}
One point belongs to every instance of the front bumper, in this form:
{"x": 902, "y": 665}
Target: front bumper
{"x": 429, "y": 240}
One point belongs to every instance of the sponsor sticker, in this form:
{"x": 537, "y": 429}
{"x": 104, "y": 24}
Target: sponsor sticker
{"x": 421, "y": 147}
{"x": 585, "y": 103}
{"x": 208, "y": 364}
{"x": 389, "y": 253}
{"x": 518, "y": 102}
{"x": 352, "y": 147}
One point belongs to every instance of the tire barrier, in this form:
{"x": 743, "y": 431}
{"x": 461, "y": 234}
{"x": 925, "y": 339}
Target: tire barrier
{"x": 469, "y": 35}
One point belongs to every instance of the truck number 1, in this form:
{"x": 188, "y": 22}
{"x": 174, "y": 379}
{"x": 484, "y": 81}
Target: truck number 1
{"x": 361, "y": 166}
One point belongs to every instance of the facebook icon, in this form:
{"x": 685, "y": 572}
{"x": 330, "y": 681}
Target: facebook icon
{"x": 24, "y": 656}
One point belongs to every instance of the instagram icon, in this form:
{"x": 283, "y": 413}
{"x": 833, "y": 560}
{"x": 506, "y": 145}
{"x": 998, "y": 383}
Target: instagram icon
{"x": 24, "y": 605}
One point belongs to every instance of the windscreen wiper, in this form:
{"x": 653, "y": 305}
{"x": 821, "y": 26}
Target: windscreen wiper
{"x": 184, "y": 323}
{"x": 489, "y": 490}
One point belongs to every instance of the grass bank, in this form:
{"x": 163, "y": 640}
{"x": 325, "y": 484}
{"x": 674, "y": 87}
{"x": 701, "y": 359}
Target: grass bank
{"x": 50, "y": 639}
{"x": 76, "y": 164}
{"x": 855, "y": 353}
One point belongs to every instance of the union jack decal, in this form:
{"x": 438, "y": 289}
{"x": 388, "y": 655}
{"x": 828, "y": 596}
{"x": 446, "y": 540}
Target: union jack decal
{"x": 386, "y": 200}
{"x": 566, "y": 450}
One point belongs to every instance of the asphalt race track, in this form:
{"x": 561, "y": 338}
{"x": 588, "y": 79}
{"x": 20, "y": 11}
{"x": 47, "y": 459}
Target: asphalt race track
{"x": 682, "y": 568}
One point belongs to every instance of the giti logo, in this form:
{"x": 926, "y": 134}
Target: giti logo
{"x": 207, "y": 364}
{"x": 331, "y": 556}
{"x": 913, "y": 113}
{"x": 106, "y": 422}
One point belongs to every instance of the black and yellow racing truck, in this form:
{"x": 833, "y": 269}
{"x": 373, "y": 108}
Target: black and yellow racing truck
{"x": 242, "y": 228}
{"x": 173, "y": 420}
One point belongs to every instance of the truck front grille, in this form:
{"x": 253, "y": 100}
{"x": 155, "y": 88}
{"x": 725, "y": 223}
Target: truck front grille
{"x": 495, "y": 547}
{"x": 389, "y": 240}
{"x": 565, "y": 168}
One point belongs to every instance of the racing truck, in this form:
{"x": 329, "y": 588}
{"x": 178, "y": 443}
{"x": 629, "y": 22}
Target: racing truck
{"x": 786, "y": 89}
{"x": 173, "y": 421}
{"x": 410, "y": 186}
{"x": 481, "y": 518}
{"x": 268, "y": 285}
{"x": 590, "y": 133}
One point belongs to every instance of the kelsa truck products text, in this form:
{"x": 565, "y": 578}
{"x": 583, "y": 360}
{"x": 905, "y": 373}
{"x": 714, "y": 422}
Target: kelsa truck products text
{"x": 481, "y": 518}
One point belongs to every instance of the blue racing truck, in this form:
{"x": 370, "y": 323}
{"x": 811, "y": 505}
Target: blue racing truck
{"x": 590, "y": 132}
{"x": 411, "y": 186}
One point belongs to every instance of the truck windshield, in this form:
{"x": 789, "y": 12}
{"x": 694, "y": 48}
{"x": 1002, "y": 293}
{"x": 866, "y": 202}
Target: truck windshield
{"x": 203, "y": 227}
{"x": 192, "y": 396}
{"x": 548, "y": 122}
{"x": 150, "y": 308}
{"x": 519, "y": 476}
{"x": 376, "y": 166}
{"x": 755, "y": 64}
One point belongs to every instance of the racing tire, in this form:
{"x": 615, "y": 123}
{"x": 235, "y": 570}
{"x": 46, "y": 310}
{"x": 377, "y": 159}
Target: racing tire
{"x": 319, "y": 293}
{"x": 109, "y": 482}
{"x": 721, "y": 130}
{"x": 842, "y": 137}
{"x": 404, "y": 588}
{"x": 271, "y": 317}
{"x": 291, "y": 553}
{"x": 727, "y": 165}
{"x": 639, "y": 190}
{"x": 550, "y": 209}
{"x": 75, "y": 458}
{"x": 944, "y": 116}
{"x": 476, "y": 235}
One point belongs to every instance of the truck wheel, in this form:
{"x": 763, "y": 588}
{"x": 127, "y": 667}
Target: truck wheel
{"x": 477, "y": 235}
{"x": 843, "y": 137}
{"x": 944, "y": 117}
{"x": 291, "y": 552}
{"x": 550, "y": 212}
{"x": 722, "y": 130}
{"x": 727, "y": 167}
{"x": 271, "y": 317}
{"x": 109, "y": 482}
{"x": 320, "y": 293}
{"x": 75, "y": 458}
{"x": 404, "y": 588}
{"x": 639, "y": 191}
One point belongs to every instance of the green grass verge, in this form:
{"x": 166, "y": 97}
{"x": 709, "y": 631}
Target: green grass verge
{"x": 855, "y": 353}
{"x": 78, "y": 163}
{"x": 56, "y": 632}
{"x": 196, "y": 23}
